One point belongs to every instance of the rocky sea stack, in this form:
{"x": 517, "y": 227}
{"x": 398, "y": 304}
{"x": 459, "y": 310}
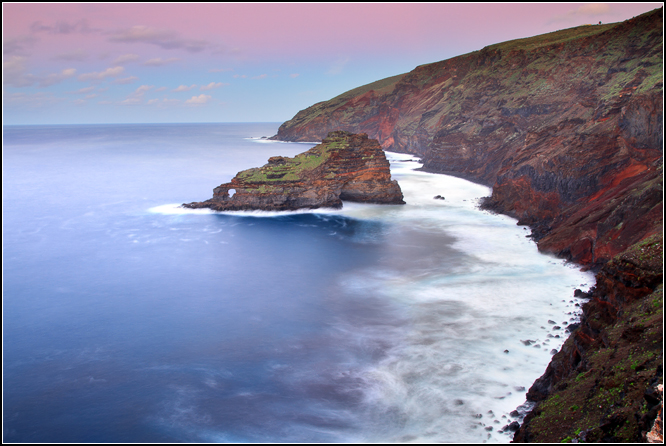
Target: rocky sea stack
{"x": 567, "y": 128}
{"x": 344, "y": 166}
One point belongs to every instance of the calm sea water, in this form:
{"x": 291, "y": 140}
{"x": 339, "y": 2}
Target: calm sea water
{"x": 128, "y": 319}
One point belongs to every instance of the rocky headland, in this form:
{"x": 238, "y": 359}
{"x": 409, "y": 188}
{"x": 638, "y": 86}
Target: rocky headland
{"x": 567, "y": 128}
{"x": 344, "y": 166}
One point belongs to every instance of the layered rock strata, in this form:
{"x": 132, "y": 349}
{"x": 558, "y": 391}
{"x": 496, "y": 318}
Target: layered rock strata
{"x": 344, "y": 166}
{"x": 567, "y": 128}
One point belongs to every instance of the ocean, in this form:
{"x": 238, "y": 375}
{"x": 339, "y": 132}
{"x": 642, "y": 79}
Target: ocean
{"x": 129, "y": 319}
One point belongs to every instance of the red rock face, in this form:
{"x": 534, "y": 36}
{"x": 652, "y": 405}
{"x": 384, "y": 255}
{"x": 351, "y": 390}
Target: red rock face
{"x": 344, "y": 166}
{"x": 566, "y": 128}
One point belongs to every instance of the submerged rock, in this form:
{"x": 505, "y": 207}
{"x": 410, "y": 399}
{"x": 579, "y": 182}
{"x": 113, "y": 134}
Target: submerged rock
{"x": 345, "y": 166}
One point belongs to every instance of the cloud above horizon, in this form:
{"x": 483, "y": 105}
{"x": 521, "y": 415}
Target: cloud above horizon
{"x": 213, "y": 85}
{"x": 126, "y": 58}
{"x": 184, "y": 88}
{"x": 585, "y": 11}
{"x": 199, "y": 100}
{"x": 101, "y": 75}
{"x": 15, "y": 74}
{"x": 164, "y": 38}
{"x": 158, "y": 61}
{"x": 299, "y": 54}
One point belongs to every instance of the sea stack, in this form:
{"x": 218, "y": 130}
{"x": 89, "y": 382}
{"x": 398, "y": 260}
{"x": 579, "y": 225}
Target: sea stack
{"x": 345, "y": 166}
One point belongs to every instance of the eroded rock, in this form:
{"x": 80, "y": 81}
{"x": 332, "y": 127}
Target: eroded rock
{"x": 344, "y": 166}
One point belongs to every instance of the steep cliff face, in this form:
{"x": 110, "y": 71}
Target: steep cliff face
{"x": 602, "y": 384}
{"x": 567, "y": 129}
{"x": 560, "y": 125}
{"x": 344, "y": 166}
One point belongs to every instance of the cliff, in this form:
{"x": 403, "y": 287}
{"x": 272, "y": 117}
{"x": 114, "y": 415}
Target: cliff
{"x": 344, "y": 166}
{"x": 602, "y": 385}
{"x": 567, "y": 128}
{"x": 560, "y": 125}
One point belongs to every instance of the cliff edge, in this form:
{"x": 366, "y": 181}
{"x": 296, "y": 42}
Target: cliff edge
{"x": 567, "y": 128}
{"x": 344, "y": 166}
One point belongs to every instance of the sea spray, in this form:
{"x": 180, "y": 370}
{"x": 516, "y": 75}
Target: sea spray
{"x": 128, "y": 320}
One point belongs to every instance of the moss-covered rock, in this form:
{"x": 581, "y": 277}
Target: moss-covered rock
{"x": 344, "y": 166}
{"x": 600, "y": 387}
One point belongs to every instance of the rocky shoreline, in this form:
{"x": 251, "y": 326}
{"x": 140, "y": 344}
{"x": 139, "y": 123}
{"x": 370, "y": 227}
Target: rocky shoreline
{"x": 344, "y": 166}
{"x": 567, "y": 128}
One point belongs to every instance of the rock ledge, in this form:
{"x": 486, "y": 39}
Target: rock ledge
{"x": 345, "y": 166}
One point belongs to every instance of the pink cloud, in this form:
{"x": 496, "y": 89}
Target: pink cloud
{"x": 99, "y": 76}
{"x": 126, "y": 58}
{"x": 15, "y": 74}
{"x": 184, "y": 88}
{"x": 126, "y": 80}
{"x": 164, "y": 38}
{"x": 158, "y": 61}
{"x": 212, "y": 86}
{"x": 199, "y": 100}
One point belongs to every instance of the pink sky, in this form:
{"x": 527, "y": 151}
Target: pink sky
{"x": 74, "y": 63}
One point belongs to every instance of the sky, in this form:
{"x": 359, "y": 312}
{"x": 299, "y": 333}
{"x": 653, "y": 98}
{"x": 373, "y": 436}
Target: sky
{"x": 78, "y": 63}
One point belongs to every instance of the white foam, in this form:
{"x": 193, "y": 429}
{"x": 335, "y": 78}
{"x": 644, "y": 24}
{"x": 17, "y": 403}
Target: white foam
{"x": 176, "y": 209}
{"x": 274, "y": 141}
{"x": 447, "y": 362}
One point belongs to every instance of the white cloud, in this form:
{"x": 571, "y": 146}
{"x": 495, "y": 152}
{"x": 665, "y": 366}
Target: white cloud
{"x": 212, "y": 85}
{"x": 164, "y": 38}
{"x": 99, "y": 76}
{"x": 199, "y": 100}
{"x": 220, "y": 70}
{"x": 126, "y": 80}
{"x": 185, "y": 87}
{"x": 77, "y": 56}
{"x": 18, "y": 45}
{"x": 15, "y": 74}
{"x": 131, "y": 101}
{"x": 126, "y": 58}
{"x": 142, "y": 90}
{"x": 338, "y": 66}
{"x": 83, "y": 90}
{"x": 63, "y": 27}
{"x": 158, "y": 61}
{"x": 261, "y": 76}
{"x": 31, "y": 101}
{"x": 587, "y": 11}
{"x": 136, "y": 97}
{"x": 294, "y": 75}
